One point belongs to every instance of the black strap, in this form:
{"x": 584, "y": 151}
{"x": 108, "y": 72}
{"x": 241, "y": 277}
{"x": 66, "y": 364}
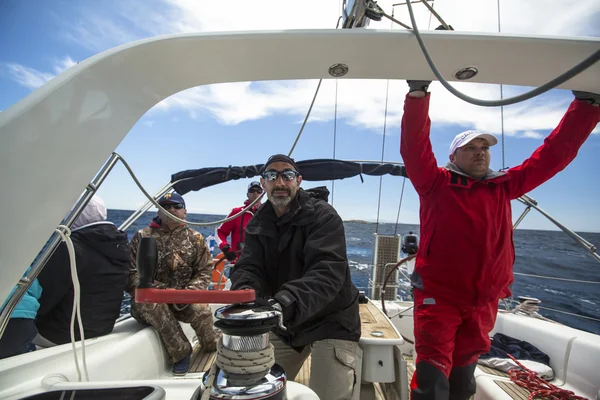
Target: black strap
{"x": 242, "y": 230}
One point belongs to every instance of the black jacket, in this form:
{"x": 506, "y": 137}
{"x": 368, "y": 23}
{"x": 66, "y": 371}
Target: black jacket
{"x": 102, "y": 256}
{"x": 300, "y": 260}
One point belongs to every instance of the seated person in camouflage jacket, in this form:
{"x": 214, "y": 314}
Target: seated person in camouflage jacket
{"x": 184, "y": 262}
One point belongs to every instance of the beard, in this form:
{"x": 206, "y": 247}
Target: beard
{"x": 280, "y": 201}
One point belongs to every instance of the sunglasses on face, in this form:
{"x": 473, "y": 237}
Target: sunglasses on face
{"x": 177, "y": 206}
{"x": 287, "y": 175}
{"x": 259, "y": 191}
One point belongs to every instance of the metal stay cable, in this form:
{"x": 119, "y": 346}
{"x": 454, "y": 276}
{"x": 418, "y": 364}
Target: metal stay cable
{"x": 569, "y": 313}
{"x": 558, "y": 279}
{"x": 387, "y": 95}
{"x": 501, "y": 97}
{"x": 334, "y": 135}
{"x": 340, "y": 18}
{"x": 312, "y": 103}
{"x": 151, "y": 199}
{"x": 589, "y": 61}
{"x": 259, "y": 198}
{"x": 399, "y": 206}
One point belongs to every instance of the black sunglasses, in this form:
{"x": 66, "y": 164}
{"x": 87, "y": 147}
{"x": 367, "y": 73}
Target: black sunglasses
{"x": 259, "y": 191}
{"x": 287, "y": 175}
{"x": 177, "y": 206}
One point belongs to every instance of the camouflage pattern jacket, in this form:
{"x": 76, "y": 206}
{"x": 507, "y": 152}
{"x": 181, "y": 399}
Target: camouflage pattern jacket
{"x": 184, "y": 261}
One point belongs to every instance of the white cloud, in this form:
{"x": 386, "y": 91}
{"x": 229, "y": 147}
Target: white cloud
{"x": 32, "y": 78}
{"x": 532, "y": 135}
{"x": 360, "y": 103}
{"x": 64, "y": 64}
{"x": 29, "y": 77}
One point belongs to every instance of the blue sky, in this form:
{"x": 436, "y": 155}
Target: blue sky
{"x": 241, "y": 124}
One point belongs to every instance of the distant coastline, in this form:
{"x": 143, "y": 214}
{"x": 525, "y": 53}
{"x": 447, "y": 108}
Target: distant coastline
{"x": 360, "y": 221}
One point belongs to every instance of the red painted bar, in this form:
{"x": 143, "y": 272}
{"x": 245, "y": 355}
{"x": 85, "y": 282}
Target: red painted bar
{"x": 176, "y": 296}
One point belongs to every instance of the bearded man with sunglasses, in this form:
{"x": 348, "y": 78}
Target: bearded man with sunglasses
{"x": 184, "y": 262}
{"x": 295, "y": 259}
{"x": 236, "y": 226}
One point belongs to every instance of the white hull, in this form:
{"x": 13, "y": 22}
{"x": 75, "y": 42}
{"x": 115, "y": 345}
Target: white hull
{"x": 133, "y": 355}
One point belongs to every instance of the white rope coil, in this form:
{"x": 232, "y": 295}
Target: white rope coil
{"x": 65, "y": 233}
{"x": 247, "y": 366}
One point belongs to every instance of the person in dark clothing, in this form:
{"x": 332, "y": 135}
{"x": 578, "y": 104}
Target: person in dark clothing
{"x": 464, "y": 264}
{"x": 295, "y": 256}
{"x": 20, "y": 331}
{"x": 102, "y": 257}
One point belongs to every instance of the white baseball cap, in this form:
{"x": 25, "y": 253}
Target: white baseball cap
{"x": 465, "y": 137}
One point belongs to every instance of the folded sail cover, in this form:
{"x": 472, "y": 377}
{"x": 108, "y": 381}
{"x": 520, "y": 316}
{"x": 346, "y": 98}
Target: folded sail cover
{"x": 311, "y": 170}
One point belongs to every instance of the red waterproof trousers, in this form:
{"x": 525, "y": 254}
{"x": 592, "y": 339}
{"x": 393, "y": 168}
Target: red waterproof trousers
{"x": 448, "y": 335}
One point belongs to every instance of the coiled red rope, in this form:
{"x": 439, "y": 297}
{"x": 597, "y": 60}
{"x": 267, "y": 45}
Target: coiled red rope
{"x": 538, "y": 387}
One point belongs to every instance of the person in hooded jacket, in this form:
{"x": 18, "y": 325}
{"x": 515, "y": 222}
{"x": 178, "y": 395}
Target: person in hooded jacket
{"x": 184, "y": 262}
{"x": 465, "y": 260}
{"x": 102, "y": 258}
{"x": 20, "y": 330}
{"x": 236, "y": 227}
{"x": 295, "y": 259}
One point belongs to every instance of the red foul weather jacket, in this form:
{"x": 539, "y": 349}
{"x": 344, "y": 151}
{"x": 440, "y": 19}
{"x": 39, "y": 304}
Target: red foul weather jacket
{"x": 235, "y": 227}
{"x": 466, "y": 251}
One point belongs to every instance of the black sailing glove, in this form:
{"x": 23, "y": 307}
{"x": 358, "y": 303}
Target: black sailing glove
{"x": 229, "y": 255}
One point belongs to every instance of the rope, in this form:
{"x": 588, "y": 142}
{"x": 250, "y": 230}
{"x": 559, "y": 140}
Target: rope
{"x": 538, "y": 387}
{"x": 387, "y": 95}
{"x": 244, "y": 362}
{"x": 242, "y": 367}
{"x": 399, "y": 206}
{"x": 387, "y": 278}
{"x": 210, "y": 381}
{"x": 570, "y": 313}
{"x": 583, "y": 65}
{"x": 558, "y": 279}
{"x": 334, "y": 135}
{"x": 382, "y": 154}
{"x": 65, "y": 233}
{"x": 430, "y": 15}
{"x": 501, "y": 97}
{"x": 312, "y": 103}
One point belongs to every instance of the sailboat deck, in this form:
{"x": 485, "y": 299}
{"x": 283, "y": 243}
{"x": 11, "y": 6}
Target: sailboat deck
{"x": 201, "y": 362}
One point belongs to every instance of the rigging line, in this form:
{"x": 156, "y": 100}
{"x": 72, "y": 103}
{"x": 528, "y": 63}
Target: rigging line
{"x": 558, "y": 279}
{"x": 387, "y": 96}
{"x": 583, "y": 65}
{"x": 312, "y": 103}
{"x": 391, "y": 18}
{"x": 569, "y": 313}
{"x": 387, "y": 91}
{"x": 430, "y": 15}
{"x": 334, "y": 135}
{"x": 502, "y": 124}
{"x": 399, "y": 206}
{"x": 501, "y": 97}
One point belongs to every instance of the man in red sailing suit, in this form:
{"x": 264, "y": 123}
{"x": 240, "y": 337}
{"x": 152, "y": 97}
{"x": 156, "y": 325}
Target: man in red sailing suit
{"x": 465, "y": 259}
{"x": 236, "y": 227}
